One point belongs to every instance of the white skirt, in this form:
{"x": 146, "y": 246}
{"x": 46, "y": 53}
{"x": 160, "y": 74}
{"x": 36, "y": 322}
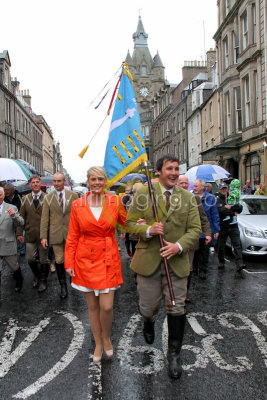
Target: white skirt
{"x": 97, "y": 291}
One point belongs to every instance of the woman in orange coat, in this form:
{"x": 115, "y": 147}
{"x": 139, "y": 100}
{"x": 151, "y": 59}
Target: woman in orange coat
{"x": 92, "y": 257}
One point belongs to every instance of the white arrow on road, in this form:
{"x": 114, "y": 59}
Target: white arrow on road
{"x": 72, "y": 351}
{"x": 8, "y": 358}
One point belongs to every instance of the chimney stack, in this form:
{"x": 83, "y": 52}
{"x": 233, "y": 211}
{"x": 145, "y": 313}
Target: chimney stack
{"x": 211, "y": 60}
{"x": 26, "y": 96}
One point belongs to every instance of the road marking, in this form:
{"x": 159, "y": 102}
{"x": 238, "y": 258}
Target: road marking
{"x": 152, "y": 360}
{"x": 254, "y": 272}
{"x": 126, "y": 351}
{"x": 214, "y": 355}
{"x": 66, "y": 359}
{"x": 95, "y": 374}
{"x": 211, "y": 352}
{"x": 225, "y": 320}
{"x": 206, "y": 352}
{"x": 262, "y": 317}
{"x": 8, "y": 358}
{"x": 195, "y": 325}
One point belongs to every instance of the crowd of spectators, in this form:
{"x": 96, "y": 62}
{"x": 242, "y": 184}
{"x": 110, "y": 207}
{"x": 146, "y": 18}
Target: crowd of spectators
{"x": 220, "y": 205}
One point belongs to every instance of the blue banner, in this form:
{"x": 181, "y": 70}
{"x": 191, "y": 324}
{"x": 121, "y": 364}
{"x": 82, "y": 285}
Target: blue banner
{"x": 125, "y": 147}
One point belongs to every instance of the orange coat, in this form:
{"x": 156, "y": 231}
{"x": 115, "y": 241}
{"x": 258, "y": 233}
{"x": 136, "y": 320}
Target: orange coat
{"x": 91, "y": 247}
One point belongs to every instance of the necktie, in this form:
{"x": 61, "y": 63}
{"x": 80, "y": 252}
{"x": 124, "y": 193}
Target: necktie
{"x": 35, "y": 201}
{"x": 61, "y": 200}
{"x": 167, "y": 195}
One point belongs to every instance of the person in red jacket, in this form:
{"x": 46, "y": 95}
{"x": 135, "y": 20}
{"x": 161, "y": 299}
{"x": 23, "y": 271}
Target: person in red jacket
{"x": 92, "y": 257}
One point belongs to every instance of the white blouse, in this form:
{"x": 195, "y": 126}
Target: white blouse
{"x": 97, "y": 212}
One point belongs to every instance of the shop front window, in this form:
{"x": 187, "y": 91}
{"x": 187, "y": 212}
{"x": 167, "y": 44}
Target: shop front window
{"x": 253, "y": 170}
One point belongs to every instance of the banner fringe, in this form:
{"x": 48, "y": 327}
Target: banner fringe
{"x": 127, "y": 170}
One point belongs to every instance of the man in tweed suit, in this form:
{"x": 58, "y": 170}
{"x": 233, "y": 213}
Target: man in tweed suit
{"x": 31, "y": 211}
{"x": 9, "y": 220}
{"x": 55, "y": 225}
{"x": 180, "y": 226}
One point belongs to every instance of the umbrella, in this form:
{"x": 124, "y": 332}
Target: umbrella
{"x": 29, "y": 166}
{"x": 134, "y": 177}
{"x": 18, "y": 183}
{"x": 49, "y": 181}
{"x": 207, "y": 172}
{"x": 12, "y": 170}
{"x": 23, "y": 188}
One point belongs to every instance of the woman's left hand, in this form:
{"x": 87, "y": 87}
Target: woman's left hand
{"x": 70, "y": 271}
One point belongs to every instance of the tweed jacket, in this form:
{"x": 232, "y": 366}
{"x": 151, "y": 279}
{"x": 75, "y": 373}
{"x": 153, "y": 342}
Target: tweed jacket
{"x": 55, "y": 222}
{"x": 181, "y": 224}
{"x": 8, "y": 225}
{"x": 32, "y": 218}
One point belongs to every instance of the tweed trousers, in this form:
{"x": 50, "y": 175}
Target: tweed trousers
{"x": 153, "y": 288}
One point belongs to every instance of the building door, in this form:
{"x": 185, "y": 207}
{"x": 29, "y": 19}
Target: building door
{"x": 253, "y": 169}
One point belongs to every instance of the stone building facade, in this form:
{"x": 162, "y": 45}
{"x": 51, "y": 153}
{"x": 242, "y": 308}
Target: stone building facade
{"x": 48, "y": 152}
{"x": 20, "y": 135}
{"x": 161, "y": 130}
{"x": 23, "y": 134}
{"x": 241, "y": 43}
{"x": 173, "y": 105}
{"x": 228, "y": 125}
{"x": 195, "y": 125}
{"x": 211, "y": 138}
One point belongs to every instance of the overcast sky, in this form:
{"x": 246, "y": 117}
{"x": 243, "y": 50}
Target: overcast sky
{"x": 65, "y": 51}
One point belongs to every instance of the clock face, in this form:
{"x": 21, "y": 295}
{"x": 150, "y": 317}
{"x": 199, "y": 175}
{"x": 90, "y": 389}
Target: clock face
{"x": 144, "y": 91}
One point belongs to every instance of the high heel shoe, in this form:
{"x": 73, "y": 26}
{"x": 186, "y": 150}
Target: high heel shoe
{"x": 96, "y": 360}
{"x": 109, "y": 353}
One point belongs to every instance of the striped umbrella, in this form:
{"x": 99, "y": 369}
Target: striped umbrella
{"x": 29, "y": 166}
{"x": 13, "y": 170}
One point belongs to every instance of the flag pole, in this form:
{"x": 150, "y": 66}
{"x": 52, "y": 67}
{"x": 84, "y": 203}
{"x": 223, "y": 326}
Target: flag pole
{"x": 155, "y": 212}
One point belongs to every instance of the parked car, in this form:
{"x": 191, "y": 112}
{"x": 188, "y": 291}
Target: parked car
{"x": 252, "y": 223}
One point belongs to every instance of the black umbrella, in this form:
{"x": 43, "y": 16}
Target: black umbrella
{"x": 48, "y": 181}
{"x": 23, "y": 188}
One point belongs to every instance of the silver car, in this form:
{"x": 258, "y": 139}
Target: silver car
{"x": 252, "y": 223}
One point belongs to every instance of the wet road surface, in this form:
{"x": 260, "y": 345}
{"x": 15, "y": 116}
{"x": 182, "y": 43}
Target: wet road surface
{"x": 46, "y": 344}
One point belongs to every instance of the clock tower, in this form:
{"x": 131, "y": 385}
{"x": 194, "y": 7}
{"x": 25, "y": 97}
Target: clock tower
{"x": 148, "y": 77}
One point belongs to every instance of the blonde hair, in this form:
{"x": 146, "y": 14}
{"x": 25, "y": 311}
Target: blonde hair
{"x": 97, "y": 171}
